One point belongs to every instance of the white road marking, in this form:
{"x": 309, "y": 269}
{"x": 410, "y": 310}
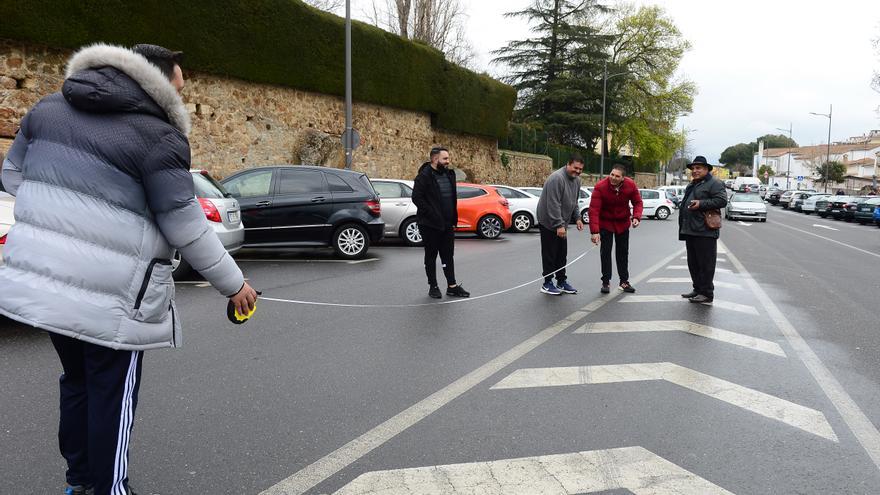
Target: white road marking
{"x": 718, "y": 303}
{"x": 862, "y": 427}
{"x": 824, "y": 227}
{"x": 684, "y": 267}
{"x": 743, "y": 223}
{"x": 309, "y": 476}
{"x": 721, "y": 260}
{"x": 634, "y": 469}
{"x": 796, "y": 415}
{"x": 686, "y": 280}
{"x": 829, "y": 240}
{"x": 718, "y": 334}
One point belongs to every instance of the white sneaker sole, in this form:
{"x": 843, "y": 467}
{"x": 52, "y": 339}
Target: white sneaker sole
{"x": 549, "y": 293}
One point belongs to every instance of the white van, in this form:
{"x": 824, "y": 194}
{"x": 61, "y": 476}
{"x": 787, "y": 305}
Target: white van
{"x": 741, "y": 182}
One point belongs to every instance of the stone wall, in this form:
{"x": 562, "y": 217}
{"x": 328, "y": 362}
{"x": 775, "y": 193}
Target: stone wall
{"x": 239, "y": 125}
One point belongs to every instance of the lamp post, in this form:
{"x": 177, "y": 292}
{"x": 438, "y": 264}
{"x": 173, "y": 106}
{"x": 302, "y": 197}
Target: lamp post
{"x": 788, "y": 172}
{"x": 348, "y": 130}
{"x": 605, "y": 79}
{"x": 828, "y": 161}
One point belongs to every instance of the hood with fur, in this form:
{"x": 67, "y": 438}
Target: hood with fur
{"x": 147, "y": 76}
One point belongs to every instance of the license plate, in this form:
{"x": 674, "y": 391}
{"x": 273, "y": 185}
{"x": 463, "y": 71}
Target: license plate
{"x": 834, "y": 210}
{"x": 749, "y": 213}
{"x": 233, "y": 216}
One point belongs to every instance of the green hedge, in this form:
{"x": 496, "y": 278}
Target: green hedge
{"x": 282, "y": 42}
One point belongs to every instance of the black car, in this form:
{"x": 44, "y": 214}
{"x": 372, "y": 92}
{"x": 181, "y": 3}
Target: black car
{"x": 865, "y": 210}
{"x": 301, "y": 206}
{"x": 773, "y": 195}
{"x": 852, "y": 206}
{"x": 838, "y": 206}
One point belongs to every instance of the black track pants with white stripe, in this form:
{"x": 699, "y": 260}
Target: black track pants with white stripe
{"x": 99, "y": 392}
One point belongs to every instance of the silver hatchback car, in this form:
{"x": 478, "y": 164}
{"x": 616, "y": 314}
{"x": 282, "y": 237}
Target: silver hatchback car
{"x": 223, "y": 214}
{"x": 398, "y": 210}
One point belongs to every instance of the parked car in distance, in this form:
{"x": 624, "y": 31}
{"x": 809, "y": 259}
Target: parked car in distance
{"x": 850, "y": 208}
{"x": 837, "y": 206}
{"x": 746, "y": 206}
{"x": 483, "y": 210}
{"x": 534, "y": 191}
{"x": 797, "y": 200}
{"x": 865, "y": 211}
{"x": 823, "y": 206}
{"x": 674, "y": 193}
{"x": 877, "y": 215}
{"x": 223, "y": 214}
{"x": 773, "y": 195}
{"x": 523, "y": 207}
{"x": 7, "y": 204}
{"x": 809, "y": 205}
{"x": 785, "y": 199}
{"x": 305, "y": 206}
{"x": 655, "y": 204}
{"x": 762, "y": 191}
{"x": 398, "y": 210}
{"x": 584, "y": 203}
{"x": 741, "y": 183}
{"x": 728, "y": 183}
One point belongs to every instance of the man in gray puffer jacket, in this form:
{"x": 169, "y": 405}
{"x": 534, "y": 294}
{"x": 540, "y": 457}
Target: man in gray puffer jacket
{"x": 104, "y": 196}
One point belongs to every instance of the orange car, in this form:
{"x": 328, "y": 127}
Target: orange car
{"x": 482, "y": 210}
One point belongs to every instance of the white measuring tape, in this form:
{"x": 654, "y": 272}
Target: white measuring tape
{"x": 453, "y": 301}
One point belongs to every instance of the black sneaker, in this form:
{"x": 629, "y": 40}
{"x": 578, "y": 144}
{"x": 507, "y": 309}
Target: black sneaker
{"x": 690, "y": 294}
{"x": 629, "y": 289}
{"x": 457, "y": 291}
{"x": 434, "y": 292}
{"x": 701, "y": 299}
{"x": 605, "y": 289}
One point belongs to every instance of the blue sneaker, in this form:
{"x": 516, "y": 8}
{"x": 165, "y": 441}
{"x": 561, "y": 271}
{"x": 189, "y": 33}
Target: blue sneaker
{"x": 567, "y": 288}
{"x": 549, "y": 288}
{"x": 79, "y": 490}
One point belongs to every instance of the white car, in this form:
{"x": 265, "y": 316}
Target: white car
{"x": 584, "y": 203}
{"x": 809, "y": 205}
{"x": 523, "y": 207}
{"x": 398, "y": 210}
{"x": 655, "y": 204}
{"x": 674, "y": 193}
{"x": 534, "y": 191}
{"x": 7, "y": 202}
{"x": 746, "y": 206}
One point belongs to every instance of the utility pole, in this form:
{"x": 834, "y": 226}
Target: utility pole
{"x": 348, "y": 129}
{"x": 788, "y": 172}
{"x": 605, "y": 79}
{"x": 828, "y": 161}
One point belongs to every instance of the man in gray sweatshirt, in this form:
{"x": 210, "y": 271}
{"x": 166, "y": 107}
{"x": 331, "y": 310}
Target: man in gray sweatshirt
{"x": 557, "y": 208}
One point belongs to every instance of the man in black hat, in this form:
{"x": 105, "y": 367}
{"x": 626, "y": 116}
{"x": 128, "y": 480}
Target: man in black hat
{"x": 702, "y": 194}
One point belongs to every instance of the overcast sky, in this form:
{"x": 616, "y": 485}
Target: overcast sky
{"x": 758, "y": 65}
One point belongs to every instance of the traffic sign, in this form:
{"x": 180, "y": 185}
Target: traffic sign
{"x": 800, "y": 178}
{"x": 766, "y": 175}
{"x": 355, "y": 140}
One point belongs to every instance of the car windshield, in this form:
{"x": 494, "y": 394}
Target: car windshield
{"x": 746, "y": 198}
{"x": 207, "y": 188}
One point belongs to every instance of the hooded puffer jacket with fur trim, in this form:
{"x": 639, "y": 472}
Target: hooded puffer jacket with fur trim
{"x": 104, "y": 196}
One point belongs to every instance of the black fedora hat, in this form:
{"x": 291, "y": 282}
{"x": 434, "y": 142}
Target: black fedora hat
{"x": 700, "y": 160}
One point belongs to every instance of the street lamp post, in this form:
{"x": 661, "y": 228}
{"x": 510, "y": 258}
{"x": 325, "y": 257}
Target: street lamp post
{"x": 828, "y": 161}
{"x": 349, "y": 146}
{"x": 788, "y": 172}
{"x": 605, "y": 79}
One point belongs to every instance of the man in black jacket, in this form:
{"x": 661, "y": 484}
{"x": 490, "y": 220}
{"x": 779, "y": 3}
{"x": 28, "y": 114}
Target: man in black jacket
{"x": 435, "y": 197}
{"x": 702, "y": 194}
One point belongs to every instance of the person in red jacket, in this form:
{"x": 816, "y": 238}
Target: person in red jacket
{"x": 610, "y": 219}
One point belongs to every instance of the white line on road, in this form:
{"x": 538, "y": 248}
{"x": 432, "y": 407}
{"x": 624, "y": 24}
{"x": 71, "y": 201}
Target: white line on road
{"x": 293, "y": 260}
{"x": 718, "y": 334}
{"x": 634, "y": 469}
{"x": 306, "y": 478}
{"x": 718, "y": 303}
{"x": 829, "y": 240}
{"x": 796, "y": 415}
{"x": 686, "y": 280}
{"x": 852, "y": 415}
{"x": 824, "y": 227}
{"x": 684, "y": 267}
{"x": 721, "y": 260}
{"x": 743, "y": 223}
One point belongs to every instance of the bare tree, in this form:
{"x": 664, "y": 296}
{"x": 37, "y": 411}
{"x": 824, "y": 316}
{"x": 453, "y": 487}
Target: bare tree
{"x": 438, "y": 23}
{"x": 326, "y": 5}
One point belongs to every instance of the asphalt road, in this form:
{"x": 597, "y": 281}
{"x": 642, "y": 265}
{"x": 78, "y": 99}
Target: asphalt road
{"x": 771, "y": 390}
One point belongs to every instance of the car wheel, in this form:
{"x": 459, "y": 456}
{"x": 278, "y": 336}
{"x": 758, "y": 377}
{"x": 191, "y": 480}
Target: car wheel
{"x": 823, "y": 216}
{"x": 522, "y": 222}
{"x": 489, "y": 227}
{"x": 410, "y": 234}
{"x": 179, "y": 267}
{"x": 662, "y": 213}
{"x": 351, "y": 241}
{"x": 585, "y": 216}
